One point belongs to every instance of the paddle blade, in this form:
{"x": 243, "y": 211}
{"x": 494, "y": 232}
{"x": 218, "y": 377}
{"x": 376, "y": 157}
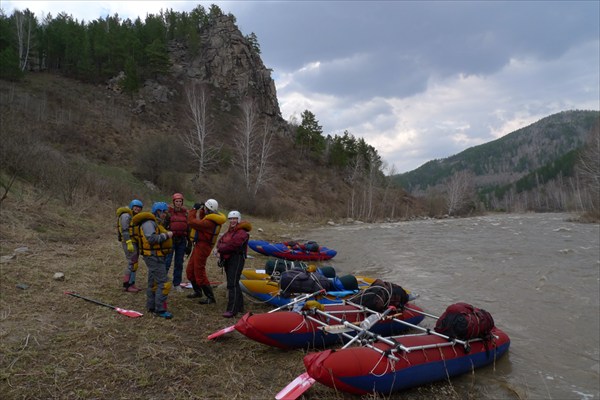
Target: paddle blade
{"x": 296, "y": 387}
{"x": 129, "y": 313}
{"x": 221, "y": 332}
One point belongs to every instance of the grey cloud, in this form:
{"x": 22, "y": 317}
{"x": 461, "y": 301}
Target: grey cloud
{"x": 446, "y": 37}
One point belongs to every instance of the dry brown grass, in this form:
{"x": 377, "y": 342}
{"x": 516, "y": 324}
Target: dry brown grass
{"x": 54, "y": 346}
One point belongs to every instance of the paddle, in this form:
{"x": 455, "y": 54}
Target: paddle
{"x": 303, "y": 382}
{"x": 128, "y": 313}
{"x": 295, "y": 389}
{"x": 291, "y": 303}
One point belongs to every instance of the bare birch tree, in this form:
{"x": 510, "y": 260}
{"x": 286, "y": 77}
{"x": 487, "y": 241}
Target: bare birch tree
{"x": 459, "y": 190}
{"x": 253, "y": 147}
{"x": 589, "y": 168}
{"x": 353, "y": 179}
{"x": 196, "y": 139}
{"x": 23, "y": 21}
{"x": 265, "y": 147}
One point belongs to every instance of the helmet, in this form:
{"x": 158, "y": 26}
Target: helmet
{"x": 235, "y": 214}
{"x": 177, "y": 196}
{"x": 211, "y": 205}
{"x": 136, "y": 203}
{"x": 159, "y": 206}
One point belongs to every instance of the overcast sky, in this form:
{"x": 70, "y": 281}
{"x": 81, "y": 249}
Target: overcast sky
{"x": 417, "y": 80}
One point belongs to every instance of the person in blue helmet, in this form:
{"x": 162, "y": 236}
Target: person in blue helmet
{"x": 155, "y": 243}
{"x": 125, "y": 236}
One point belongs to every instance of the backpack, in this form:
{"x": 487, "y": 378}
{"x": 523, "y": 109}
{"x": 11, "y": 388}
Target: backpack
{"x": 311, "y": 246}
{"x": 277, "y": 266}
{"x": 300, "y": 281}
{"x": 463, "y": 321}
{"x": 380, "y": 295}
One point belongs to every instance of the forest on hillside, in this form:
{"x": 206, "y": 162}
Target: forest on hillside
{"x": 551, "y": 165}
{"x": 344, "y": 170}
{"x": 344, "y": 175}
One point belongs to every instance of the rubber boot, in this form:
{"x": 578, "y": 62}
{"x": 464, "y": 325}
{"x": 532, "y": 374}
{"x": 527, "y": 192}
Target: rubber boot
{"x": 133, "y": 289}
{"x": 125, "y": 282}
{"x": 197, "y": 292}
{"x": 210, "y": 296}
{"x": 164, "y": 313}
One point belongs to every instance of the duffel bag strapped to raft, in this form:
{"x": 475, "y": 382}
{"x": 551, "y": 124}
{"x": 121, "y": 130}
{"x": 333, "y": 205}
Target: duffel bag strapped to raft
{"x": 380, "y": 295}
{"x": 463, "y": 321}
{"x": 300, "y": 281}
{"x": 278, "y": 266}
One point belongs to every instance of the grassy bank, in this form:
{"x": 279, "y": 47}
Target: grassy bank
{"x": 54, "y": 346}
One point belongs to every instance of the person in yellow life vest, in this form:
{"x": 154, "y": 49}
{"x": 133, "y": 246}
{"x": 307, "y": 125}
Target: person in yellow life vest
{"x": 155, "y": 243}
{"x": 205, "y": 224}
{"x": 124, "y": 217}
{"x": 231, "y": 249}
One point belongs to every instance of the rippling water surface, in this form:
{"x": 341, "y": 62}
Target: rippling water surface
{"x": 537, "y": 274}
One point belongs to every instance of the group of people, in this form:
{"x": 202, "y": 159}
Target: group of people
{"x": 170, "y": 232}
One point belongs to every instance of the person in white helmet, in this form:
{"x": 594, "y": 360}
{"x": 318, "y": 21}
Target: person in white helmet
{"x": 231, "y": 249}
{"x": 205, "y": 222}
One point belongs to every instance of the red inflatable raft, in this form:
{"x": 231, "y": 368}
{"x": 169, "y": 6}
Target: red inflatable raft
{"x": 403, "y": 362}
{"x": 289, "y": 329}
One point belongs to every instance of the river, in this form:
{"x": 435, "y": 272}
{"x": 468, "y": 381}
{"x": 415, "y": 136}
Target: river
{"x": 537, "y": 274}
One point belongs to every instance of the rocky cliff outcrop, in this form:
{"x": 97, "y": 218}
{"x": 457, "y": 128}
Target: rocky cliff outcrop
{"x": 227, "y": 62}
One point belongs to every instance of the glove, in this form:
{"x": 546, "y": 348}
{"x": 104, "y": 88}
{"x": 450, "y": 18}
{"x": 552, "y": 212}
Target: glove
{"x": 198, "y": 206}
{"x": 188, "y": 249}
{"x": 221, "y": 263}
{"x": 130, "y": 246}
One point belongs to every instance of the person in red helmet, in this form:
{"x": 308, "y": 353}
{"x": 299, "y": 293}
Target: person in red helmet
{"x": 178, "y": 224}
{"x": 205, "y": 222}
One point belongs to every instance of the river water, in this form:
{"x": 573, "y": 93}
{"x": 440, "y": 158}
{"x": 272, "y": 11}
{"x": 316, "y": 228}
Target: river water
{"x": 537, "y": 274}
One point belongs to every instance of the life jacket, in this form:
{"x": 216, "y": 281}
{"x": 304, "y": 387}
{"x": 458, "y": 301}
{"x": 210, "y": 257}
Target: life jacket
{"x": 209, "y": 237}
{"x": 463, "y": 321}
{"x": 228, "y": 244}
{"x": 147, "y": 249}
{"x": 178, "y": 222}
{"x": 121, "y": 211}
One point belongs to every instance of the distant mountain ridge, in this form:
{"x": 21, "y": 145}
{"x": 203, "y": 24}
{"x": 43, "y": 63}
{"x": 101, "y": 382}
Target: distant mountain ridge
{"x": 510, "y": 158}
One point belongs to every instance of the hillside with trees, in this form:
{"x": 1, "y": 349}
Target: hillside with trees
{"x": 536, "y": 168}
{"x": 180, "y": 101}
{"x": 177, "y": 102}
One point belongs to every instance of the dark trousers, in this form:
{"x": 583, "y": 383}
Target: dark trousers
{"x": 233, "y": 270}
{"x": 178, "y": 254}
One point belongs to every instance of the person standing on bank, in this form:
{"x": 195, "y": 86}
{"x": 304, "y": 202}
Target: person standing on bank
{"x": 178, "y": 216}
{"x": 124, "y": 217}
{"x": 231, "y": 249}
{"x": 205, "y": 224}
{"x": 155, "y": 243}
